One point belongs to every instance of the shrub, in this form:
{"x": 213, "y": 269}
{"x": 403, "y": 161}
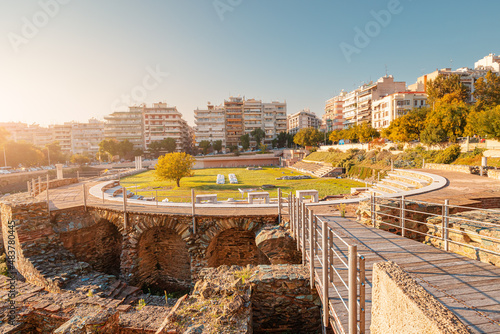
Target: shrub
{"x": 448, "y": 155}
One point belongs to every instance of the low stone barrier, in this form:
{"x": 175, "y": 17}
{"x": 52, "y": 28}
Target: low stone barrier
{"x": 53, "y": 184}
{"x": 494, "y": 174}
{"x": 401, "y": 305}
{"x": 451, "y": 168}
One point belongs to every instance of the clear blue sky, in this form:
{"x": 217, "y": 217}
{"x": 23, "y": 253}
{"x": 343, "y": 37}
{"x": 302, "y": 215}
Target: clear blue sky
{"x": 89, "y": 53}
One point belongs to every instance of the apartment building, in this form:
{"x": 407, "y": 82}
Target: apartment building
{"x": 210, "y": 124}
{"x": 162, "y": 121}
{"x": 302, "y": 119}
{"x": 125, "y": 125}
{"x": 238, "y": 116}
{"x": 392, "y": 106}
{"x": 489, "y": 63}
{"x": 234, "y": 120}
{"x": 333, "y": 118}
{"x": 85, "y": 137}
{"x": 61, "y": 133}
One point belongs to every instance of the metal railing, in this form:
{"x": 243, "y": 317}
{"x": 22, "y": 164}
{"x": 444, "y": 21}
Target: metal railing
{"x": 334, "y": 264}
{"x": 449, "y": 227}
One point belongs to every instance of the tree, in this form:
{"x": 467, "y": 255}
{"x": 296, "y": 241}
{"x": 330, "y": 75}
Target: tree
{"x": 4, "y": 134}
{"x": 79, "y": 159}
{"x": 366, "y": 132}
{"x": 54, "y": 152}
{"x": 308, "y": 137}
{"x": 448, "y": 87}
{"x": 167, "y": 145}
{"x": 174, "y": 166}
{"x": 23, "y": 153}
{"x": 484, "y": 123}
{"x": 258, "y": 134}
{"x": 487, "y": 91}
{"x": 245, "y": 141}
{"x": 283, "y": 139}
{"x": 109, "y": 146}
{"x": 407, "y": 127}
{"x": 205, "y": 146}
{"x": 217, "y": 145}
{"x": 126, "y": 149}
{"x": 445, "y": 123}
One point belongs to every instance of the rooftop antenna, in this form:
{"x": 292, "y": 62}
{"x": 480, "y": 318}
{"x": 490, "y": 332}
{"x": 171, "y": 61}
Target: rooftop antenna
{"x": 385, "y": 70}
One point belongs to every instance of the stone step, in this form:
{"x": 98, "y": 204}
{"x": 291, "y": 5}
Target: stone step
{"x": 379, "y": 192}
{"x": 413, "y": 174}
{"x": 118, "y": 290}
{"x": 387, "y": 189}
{"x": 405, "y": 178}
{"x": 398, "y": 184}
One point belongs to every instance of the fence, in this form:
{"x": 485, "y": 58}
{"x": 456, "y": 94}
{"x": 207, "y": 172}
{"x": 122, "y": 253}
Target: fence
{"x": 333, "y": 265}
{"x": 445, "y": 226}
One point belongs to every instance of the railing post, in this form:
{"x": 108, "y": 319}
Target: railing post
{"x": 290, "y": 213}
{"x": 28, "y": 184}
{"x": 324, "y": 270}
{"x": 445, "y": 224}
{"x": 311, "y": 248}
{"x": 39, "y": 185}
{"x": 124, "y": 190}
{"x": 33, "y": 187}
{"x": 330, "y": 264}
{"x": 84, "y": 197}
{"x": 402, "y": 216}
{"x": 353, "y": 294}
{"x": 193, "y": 200}
{"x": 303, "y": 234}
{"x": 362, "y": 295}
{"x": 48, "y": 203}
{"x": 279, "y": 205}
{"x": 77, "y": 176}
{"x": 298, "y": 232}
{"x": 102, "y": 196}
{"x": 156, "y": 197}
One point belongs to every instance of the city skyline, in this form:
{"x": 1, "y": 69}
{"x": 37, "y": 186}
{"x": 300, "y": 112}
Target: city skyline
{"x": 80, "y": 59}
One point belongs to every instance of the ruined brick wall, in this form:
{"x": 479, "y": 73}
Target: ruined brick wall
{"x": 53, "y": 184}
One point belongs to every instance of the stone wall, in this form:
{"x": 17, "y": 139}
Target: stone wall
{"x": 38, "y": 188}
{"x": 494, "y": 174}
{"x": 451, "y": 168}
{"x": 401, "y": 305}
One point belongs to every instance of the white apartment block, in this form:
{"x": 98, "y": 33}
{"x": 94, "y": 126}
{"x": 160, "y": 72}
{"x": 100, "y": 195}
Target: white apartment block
{"x": 333, "y": 118}
{"x": 392, "y": 106}
{"x": 274, "y": 120}
{"x": 210, "y": 124}
{"x": 488, "y": 63}
{"x": 85, "y": 137}
{"x": 162, "y": 121}
{"x": 358, "y": 104}
{"x": 302, "y": 119}
{"x": 125, "y": 125}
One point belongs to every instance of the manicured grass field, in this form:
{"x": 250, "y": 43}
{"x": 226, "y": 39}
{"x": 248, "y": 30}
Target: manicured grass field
{"x": 204, "y": 182}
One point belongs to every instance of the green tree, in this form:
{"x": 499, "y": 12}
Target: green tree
{"x": 245, "y": 141}
{"x": 217, "y": 145}
{"x": 4, "y": 134}
{"x": 205, "y": 146}
{"x": 445, "y": 123}
{"x": 55, "y": 153}
{"x": 407, "y": 127}
{"x": 79, "y": 159}
{"x": 109, "y": 146}
{"x": 487, "y": 91}
{"x": 167, "y": 145}
{"x": 367, "y": 133}
{"x": 174, "y": 166}
{"x": 258, "y": 134}
{"x": 484, "y": 123}
{"x": 23, "y": 154}
{"x": 308, "y": 137}
{"x": 126, "y": 149}
{"x": 446, "y": 88}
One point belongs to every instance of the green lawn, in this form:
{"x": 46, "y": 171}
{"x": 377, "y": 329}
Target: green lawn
{"x": 204, "y": 182}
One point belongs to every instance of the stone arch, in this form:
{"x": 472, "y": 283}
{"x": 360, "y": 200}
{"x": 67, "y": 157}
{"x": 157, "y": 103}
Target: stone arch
{"x": 234, "y": 246}
{"x": 99, "y": 245}
{"x": 164, "y": 263}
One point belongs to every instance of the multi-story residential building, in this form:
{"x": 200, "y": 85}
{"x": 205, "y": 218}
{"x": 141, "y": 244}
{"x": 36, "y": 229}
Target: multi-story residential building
{"x": 85, "y": 137}
{"x": 392, "y": 106}
{"x": 234, "y": 120}
{"x": 241, "y": 116}
{"x": 274, "y": 120}
{"x": 61, "y": 133}
{"x": 333, "y": 118}
{"x": 122, "y": 125}
{"x": 302, "y": 119}
{"x": 162, "y": 121}
{"x": 210, "y": 124}
{"x": 488, "y": 63}
{"x": 350, "y": 105}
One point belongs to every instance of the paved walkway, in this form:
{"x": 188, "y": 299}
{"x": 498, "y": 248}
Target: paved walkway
{"x": 469, "y": 288}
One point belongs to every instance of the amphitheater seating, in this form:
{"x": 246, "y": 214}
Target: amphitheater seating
{"x": 397, "y": 182}
{"x": 316, "y": 169}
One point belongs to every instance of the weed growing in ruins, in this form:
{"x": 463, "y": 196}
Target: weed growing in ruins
{"x": 90, "y": 293}
{"x": 140, "y": 304}
{"x": 3, "y": 266}
{"x": 342, "y": 209}
{"x": 243, "y": 274}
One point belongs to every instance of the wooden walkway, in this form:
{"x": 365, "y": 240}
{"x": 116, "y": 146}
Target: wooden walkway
{"x": 469, "y": 288}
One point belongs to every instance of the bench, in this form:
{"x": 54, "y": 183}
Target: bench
{"x": 210, "y": 198}
{"x": 303, "y": 193}
{"x": 263, "y": 194}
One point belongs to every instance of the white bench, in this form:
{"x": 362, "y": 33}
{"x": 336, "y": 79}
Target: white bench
{"x": 303, "y": 193}
{"x": 262, "y": 194}
{"x": 210, "y": 198}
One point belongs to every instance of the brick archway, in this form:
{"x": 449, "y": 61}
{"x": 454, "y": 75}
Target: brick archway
{"x": 164, "y": 263}
{"x": 99, "y": 245}
{"x": 234, "y": 246}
